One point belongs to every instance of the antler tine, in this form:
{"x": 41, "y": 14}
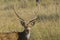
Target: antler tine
{"x": 18, "y": 15}
{"x": 36, "y": 16}
{"x": 22, "y": 21}
{"x": 34, "y": 19}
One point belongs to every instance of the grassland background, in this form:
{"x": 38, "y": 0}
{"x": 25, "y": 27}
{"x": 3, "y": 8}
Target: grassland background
{"x": 44, "y": 30}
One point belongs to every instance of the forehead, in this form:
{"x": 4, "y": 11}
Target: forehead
{"x": 28, "y": 24}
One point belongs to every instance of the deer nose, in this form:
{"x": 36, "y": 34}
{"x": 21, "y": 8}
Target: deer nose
{"x": 29, "y": 28}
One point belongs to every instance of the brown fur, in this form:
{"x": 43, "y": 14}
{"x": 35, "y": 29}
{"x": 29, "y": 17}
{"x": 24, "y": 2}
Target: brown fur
{"x": 9, "y": 36}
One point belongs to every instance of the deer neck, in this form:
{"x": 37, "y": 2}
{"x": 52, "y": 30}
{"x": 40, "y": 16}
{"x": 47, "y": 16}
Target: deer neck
{"x": 27, "y": 33}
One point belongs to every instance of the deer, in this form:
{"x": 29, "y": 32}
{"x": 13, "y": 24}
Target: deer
{"x": 24, "y": 35}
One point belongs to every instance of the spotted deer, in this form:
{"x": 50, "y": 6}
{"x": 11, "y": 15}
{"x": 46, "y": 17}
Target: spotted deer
{"x": 24, "y": 35}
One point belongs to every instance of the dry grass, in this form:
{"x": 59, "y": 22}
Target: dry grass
{"x": 44, "y": 30}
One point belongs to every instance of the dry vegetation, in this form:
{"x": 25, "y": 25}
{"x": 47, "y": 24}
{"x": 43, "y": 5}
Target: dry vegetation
{"x": 48, "y": 25}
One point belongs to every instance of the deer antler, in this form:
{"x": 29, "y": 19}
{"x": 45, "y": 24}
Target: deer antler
{"x": 18, "y": 15}
{"x": 21, "y": 20}
{"x": 34, "y": 19}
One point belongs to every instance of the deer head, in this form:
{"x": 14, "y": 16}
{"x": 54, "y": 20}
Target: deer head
{"x": 26, "y": 26}
{"x": 23, "y": 23}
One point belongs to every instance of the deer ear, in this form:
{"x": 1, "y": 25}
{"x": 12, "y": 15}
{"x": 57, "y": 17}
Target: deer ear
{"x": 23, "y": 23}
{"x": 33, "y": 23}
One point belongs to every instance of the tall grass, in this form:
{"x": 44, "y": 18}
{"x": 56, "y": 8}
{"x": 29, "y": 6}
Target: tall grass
{"x": 46, "y": 28}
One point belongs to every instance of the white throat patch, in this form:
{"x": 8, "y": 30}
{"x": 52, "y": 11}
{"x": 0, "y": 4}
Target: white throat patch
{"x": 28, "y": 35}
